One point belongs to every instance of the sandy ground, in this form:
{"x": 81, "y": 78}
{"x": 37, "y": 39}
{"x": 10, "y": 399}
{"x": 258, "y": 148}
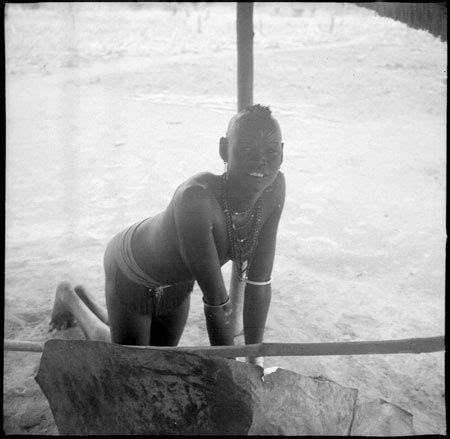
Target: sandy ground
{"x": 110, "y": 108}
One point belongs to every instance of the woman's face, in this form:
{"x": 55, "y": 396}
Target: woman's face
{"x": 255, "y": 153}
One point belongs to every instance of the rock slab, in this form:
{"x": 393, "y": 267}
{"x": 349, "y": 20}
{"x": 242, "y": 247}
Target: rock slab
{"x": 97, "y": 388}
{"x": 381, "y": 418}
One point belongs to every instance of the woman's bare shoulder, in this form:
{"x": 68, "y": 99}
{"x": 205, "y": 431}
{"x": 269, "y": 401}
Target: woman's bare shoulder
{"x": 198, "y": 188}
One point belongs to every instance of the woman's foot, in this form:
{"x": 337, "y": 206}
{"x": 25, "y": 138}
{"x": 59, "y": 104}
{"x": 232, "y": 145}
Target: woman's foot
{"x": 62, "y": 317}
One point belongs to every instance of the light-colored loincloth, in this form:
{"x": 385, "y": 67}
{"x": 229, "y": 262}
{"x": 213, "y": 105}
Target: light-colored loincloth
{"x": 156, "y": 298}
{"x": 125, "y": 259}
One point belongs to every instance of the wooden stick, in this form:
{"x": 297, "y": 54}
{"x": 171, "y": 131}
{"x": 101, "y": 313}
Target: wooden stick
{"x": 23, "y": 346}
{"x": 405, "y": 346}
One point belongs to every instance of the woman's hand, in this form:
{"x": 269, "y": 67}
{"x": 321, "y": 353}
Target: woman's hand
{"x": 219, "y": 324}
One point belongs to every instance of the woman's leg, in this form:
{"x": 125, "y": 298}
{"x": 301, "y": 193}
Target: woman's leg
{"x": 69, "y": 309}
{"x": 129, "y": 321}
{"x": 166, "y": 330}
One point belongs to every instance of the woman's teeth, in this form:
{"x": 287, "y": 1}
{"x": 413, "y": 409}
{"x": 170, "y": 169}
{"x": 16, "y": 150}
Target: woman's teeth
{"x": 256, "y": 174}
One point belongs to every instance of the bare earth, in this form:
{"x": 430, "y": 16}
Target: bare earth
{"x": 110, "y": 108}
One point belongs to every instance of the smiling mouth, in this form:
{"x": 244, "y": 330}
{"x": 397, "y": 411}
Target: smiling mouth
{"x": 256, "y": 174}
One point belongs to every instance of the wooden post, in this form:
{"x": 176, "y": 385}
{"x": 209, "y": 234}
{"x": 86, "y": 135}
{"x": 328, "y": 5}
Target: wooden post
{"x": 244, "y": 26}
{"x": 237, "y": 291}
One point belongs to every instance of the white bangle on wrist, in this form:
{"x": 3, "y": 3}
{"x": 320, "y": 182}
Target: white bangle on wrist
{"x": 251, "y": 282}
{"x": 215, "y": 306}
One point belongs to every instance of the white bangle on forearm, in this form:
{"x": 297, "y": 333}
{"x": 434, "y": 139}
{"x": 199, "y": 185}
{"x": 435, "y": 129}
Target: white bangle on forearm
{"x": 216, "y": 306}
{"x": 251, "y": 282}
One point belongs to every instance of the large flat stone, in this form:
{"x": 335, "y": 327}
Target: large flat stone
{"x": 381, "y": 418}
{"x": 296, "y": 405}
{"x": 103, "y": 388}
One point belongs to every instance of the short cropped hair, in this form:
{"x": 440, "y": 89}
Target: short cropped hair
{"x": 258, "y": 110}
{"x": 257, "y": 113}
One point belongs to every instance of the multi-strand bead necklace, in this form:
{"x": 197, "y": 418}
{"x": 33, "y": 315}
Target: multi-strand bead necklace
{"x": 241, "y": 250}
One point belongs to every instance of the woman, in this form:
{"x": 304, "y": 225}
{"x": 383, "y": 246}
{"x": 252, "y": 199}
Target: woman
{"x": 150, "y": 268}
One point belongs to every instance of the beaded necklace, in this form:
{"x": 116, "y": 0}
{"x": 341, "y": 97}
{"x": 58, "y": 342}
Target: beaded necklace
{"x": 241, "y": 250}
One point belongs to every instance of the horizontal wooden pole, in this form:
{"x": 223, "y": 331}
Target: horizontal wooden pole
{"x": 405, "y": 346}
{"x": 23, "y": 346}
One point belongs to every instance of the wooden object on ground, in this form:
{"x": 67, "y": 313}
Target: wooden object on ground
{"x": 405, "y": 346}
{"x": 23, "y": 346}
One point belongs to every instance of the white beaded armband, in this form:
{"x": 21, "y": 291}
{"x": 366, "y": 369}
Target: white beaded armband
{"x": 251, "y": 282}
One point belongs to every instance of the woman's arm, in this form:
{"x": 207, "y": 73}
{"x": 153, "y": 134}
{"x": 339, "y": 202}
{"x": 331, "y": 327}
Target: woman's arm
{"x": 258, "y": 290}
{"x": 193, "y": 219}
